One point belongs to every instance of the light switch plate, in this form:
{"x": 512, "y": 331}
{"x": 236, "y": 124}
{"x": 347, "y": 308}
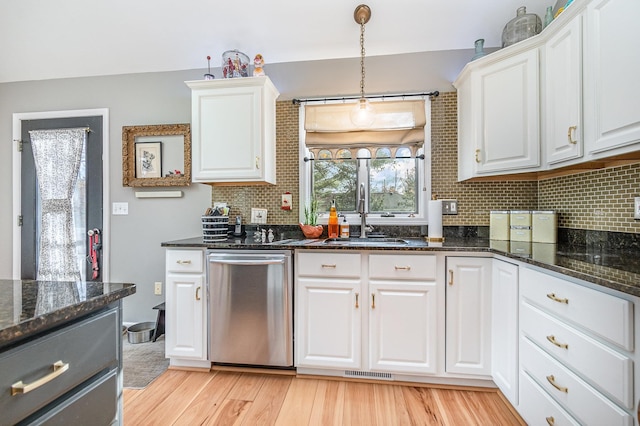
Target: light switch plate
{"x": 120, "y": 209}
{"x": 449, "y": 206}
{"x": 636, "y": 208}
{"x": 157, "y": 288}
{"x": 258, "y": 215}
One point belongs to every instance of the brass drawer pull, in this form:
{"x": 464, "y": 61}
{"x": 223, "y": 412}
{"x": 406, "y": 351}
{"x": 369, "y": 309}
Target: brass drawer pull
{"x": 373, "y": 301}
{"x": 403, "y": 268}
{"x": 550, "y": 420}
{"x": 477, "y": 155}
{"x": 332, "y": 266}
{"x": 569, "y": 134}
{"x": 59, "y": 367}
{"x": 450, "y": 276}
{"x": 555, "y": 298}
{"x": 357, "y": 304}
{"x": 183, "y": 262}
{"x": 553, "y": 340}
{"x": 258, "y": 163}
{"x": 198, "y": 293}
{"x": 552, "y": 380}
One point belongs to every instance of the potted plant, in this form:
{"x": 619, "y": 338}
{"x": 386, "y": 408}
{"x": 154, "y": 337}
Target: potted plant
{"x": 310, "y": 227}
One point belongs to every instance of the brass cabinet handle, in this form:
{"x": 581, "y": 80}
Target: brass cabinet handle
{"x": 357, "y": 304}
{"x": 550, "y": 420}
{"x": 258, "y": 163}
{"x": 326, "y": 265}
{"x": 450, "y": 276}
{"x": 555, "y": 298}
{"x": 552, "y": 380}
{"x": 403, "y": 268}
{"x": 373, "y": 301}
{"x": 569, "y": 134}
{"x": 59, "y": 367}
{"x": 183, "y": 262}
{"x": 553, "y": 340}
{"x": 198, "y": 293}
{"x": 477, "y": 155}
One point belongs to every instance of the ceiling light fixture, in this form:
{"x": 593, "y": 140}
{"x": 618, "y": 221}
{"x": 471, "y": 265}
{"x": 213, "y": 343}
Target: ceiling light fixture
{"x": 363, "y": 115}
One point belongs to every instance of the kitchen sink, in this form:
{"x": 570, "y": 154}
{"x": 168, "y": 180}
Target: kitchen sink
{"x": 378, "y": 242}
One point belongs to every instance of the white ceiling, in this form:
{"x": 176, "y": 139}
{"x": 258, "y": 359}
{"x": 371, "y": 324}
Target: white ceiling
{"x": 72, "y": 38}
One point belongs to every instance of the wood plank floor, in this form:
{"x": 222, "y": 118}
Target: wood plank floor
{"x": 236, "y": 398}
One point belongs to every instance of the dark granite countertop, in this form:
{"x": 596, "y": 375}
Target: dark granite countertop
{"x": 615, "y": 269}
{"x": 29, "y": 307}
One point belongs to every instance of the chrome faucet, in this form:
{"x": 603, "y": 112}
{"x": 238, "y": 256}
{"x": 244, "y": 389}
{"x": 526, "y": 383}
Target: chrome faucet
{"x": 363, "y": 213}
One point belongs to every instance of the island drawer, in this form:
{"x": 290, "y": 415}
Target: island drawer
{"x": 76, "y": 353}
{"x": 576, "y": 304}
{"x": 402, "y": 266}
{"x": 328, "y": 264}
{"x": 185, "y": 261}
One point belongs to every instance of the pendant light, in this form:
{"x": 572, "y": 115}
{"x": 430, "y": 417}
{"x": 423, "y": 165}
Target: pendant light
{"x": 363, "y": 114}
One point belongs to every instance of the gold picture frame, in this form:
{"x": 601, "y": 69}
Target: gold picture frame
{"x": 161, "y": 140}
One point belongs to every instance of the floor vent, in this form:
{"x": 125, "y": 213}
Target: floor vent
{"x": 368, "y": 374}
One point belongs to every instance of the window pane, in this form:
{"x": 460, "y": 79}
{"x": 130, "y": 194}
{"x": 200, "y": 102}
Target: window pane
{"x": 392, "y": 184}
{"x": 335, "y": 179}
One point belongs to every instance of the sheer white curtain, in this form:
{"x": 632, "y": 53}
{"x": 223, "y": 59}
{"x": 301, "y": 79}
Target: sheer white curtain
{"x": 57, "y": 154}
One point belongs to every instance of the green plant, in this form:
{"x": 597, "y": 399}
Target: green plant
{"x": 311, "y": 213}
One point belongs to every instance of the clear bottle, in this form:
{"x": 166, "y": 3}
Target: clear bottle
{"x": 548, "y": 17}
{"x": 333, "y": 221}
{"x": 523, "y": 26}
{"x": 344, "y": 228}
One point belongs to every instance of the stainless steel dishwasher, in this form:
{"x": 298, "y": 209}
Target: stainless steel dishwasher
{"x": 250, "y": 307}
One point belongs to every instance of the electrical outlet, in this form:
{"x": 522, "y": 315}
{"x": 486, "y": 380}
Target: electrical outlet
{"x": 636, "y": 208}
{"x": 449, "y": 207}
{"x": 157, "y": 288}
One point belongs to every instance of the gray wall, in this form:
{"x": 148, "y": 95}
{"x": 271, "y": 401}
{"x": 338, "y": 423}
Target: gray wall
{"x": 163, "y": 98}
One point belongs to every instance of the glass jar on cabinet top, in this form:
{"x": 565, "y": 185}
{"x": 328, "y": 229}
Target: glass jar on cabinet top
{"x": 235, "y": 64}
{"x": 523, "y": 26}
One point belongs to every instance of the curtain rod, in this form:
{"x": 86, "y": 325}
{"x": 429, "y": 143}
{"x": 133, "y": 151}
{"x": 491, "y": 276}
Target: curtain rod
{"x": 382, "y": 97}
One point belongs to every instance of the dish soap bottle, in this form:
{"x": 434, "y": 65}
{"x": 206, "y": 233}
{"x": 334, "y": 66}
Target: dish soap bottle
{"x": 333, "y": 221}
{"x": 344, "y": 228}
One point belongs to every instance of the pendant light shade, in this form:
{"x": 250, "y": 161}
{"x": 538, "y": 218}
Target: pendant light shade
{"x": 363, "y": 114}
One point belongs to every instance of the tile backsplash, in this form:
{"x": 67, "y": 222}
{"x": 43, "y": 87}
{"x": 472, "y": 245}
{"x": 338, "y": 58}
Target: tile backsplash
{"x": 597, "y": 200}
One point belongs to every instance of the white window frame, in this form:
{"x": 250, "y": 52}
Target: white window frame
{"x": 423, "y": 177}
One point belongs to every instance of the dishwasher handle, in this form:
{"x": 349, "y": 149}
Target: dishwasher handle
{"x": 250, "y": 262}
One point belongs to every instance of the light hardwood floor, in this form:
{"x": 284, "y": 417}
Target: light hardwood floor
{"x": 236, "y": 398}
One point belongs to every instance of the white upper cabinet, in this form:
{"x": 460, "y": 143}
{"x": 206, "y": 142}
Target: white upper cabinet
{"x": 612, "y": 66}
{"x": 562, "y": 93}
{"x": 233, "y": 124}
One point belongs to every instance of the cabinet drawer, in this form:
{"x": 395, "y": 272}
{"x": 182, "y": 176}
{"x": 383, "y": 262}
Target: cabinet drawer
{"x": 185, "y": 261}
{"x": 328, "y": 264}
{"x": 604, "y": 367}
{"x": 577, "y": 304}
{"x": 571, "y": 392}
{"x": 402, "y": 266}
{"x": 538, "y": 408}
{"x": 87, "y": 347}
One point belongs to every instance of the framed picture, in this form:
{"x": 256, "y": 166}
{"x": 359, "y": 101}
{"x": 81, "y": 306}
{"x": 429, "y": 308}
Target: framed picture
{"x": 148, "y": 159}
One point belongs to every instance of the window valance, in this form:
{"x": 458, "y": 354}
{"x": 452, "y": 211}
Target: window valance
{"x": 397, "y": 124}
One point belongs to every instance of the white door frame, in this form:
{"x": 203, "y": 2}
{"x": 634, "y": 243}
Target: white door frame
{"x": 17, "y": 181}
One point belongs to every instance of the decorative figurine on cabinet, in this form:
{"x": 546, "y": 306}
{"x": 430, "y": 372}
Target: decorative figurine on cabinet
{"x": 258, "y": 63}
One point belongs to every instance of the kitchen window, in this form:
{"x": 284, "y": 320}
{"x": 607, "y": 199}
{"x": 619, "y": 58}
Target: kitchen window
{"x": 396, "y": 176}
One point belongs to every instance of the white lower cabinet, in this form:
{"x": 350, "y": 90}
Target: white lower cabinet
{"x": 468, "y": 317}
{"x": 504, "y": 328}
{"x": 346, "y": 310}
{"x": 185, "y": 308}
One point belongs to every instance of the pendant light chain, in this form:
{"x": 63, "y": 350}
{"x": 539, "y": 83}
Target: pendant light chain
{"x": 362, "y": 52}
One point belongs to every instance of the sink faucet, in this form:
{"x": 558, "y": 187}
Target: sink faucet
{"x": 363, "y": 214}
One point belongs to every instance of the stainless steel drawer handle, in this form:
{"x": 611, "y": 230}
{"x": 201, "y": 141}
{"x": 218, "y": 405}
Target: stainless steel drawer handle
{"x": 59, "y": 367}
{"x": 403, "y": 268}
{"x": 555, "y": 298}
{"x": 183, "y": 262}
{"x": 553, "y": 340}
{"x": 552, "y": 380}
{"x": 550, "y": 420}
{"x": 332, "y": 266}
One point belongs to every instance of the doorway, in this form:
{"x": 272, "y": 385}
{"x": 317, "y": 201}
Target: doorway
{"x": 90, "y": 200}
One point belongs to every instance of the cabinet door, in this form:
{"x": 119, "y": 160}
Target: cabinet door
{"x": 504, "y": 328}
{"x": 329, "y": 323}
{"x": 184, "y": 311}
{"x": 233, "y": 130}
{"x": 402, "y": 326}
{"x": 612, "y": 66}
{"x": 508, "y": 119}
{"x": 468, "y": 317}
{"x": 563, "y": 93}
